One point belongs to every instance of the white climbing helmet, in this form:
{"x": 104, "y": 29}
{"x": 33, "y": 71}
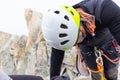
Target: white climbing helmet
{"x": 60, "y": 27}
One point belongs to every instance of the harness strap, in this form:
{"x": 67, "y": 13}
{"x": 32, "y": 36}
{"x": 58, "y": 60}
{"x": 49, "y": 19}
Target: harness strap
{"x": 80, "y": 56}
{"x": 98, "y": 61}
{"x": 115, "y": 61}
{"x": 117, "y": 47}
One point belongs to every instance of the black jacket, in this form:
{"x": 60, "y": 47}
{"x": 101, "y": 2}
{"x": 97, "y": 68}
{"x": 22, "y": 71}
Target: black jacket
{"x": 106, "y": 12}
{"x": 107, "y": 15}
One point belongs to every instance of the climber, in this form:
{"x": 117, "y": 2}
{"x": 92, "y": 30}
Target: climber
{"x": 91, "y": 27}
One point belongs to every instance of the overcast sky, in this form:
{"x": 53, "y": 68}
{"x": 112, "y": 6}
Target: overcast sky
{"x": 12, "y": 13}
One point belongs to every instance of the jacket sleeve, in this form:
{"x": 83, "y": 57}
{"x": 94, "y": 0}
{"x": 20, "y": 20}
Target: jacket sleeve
{"x": 111, "y": 17}
{"x": 55, "y": 62}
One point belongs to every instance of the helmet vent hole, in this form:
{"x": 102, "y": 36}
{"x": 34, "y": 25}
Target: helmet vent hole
{"x": 48, "y": 10}
{"x": 64, "y": 42}
{"x": 66, "y": 6}
{"x": 63, "y": 26}
{"x": 62, "y": 35}
{"x": 72, "y": 13}
{"x": 66, "y": 17}
{"x": 57, "y": 12}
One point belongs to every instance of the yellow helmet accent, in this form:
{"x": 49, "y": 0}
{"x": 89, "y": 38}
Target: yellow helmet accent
{"x": 73, "y": 13}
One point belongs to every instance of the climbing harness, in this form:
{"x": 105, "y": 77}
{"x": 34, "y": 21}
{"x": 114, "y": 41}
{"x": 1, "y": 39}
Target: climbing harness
{"x": 88, "y": 23}
{"x": 99, "y": 62}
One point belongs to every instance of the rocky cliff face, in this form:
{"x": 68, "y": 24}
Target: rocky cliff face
{"x": 31, "y": 54}
{"x": 14, "y": 59}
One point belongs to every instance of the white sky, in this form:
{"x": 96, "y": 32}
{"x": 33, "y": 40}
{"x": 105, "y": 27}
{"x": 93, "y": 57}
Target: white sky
{"x": 12, "y": 13}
